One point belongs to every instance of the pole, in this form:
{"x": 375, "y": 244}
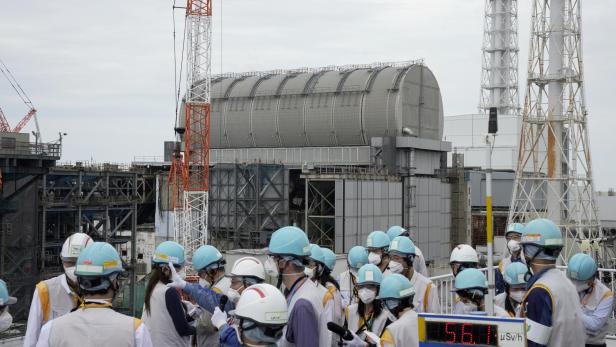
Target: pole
{"x": 489, "y": 302}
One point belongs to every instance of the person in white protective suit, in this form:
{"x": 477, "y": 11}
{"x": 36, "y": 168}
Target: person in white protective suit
{"x": 56, "y": 296}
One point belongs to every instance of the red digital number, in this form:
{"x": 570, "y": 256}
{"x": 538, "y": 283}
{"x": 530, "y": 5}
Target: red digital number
{"x": 450, "y": 334}
{"x": 467, "y": 337}
{"x": 489, "y": 334}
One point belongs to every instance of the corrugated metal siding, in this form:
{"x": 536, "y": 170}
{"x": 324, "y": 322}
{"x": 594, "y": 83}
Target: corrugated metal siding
{"x": 325, "y": 108}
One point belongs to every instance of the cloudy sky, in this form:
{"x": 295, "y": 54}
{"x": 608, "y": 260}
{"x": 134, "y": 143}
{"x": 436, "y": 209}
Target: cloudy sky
{"x": 102, "y": 71}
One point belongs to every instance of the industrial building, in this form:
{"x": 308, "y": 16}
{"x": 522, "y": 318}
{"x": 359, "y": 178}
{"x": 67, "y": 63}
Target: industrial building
{"x": 338, "y": 151}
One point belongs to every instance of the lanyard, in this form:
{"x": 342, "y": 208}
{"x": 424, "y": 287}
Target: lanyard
{"x": 295, "y": 288}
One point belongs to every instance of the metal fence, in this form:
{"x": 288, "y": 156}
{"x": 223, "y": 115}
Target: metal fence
{"x": 445, "y": 285}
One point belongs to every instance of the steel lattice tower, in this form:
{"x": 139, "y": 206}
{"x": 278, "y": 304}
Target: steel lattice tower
{"x": 499, "y": 68}
{"x": 554, "y": 172}
{"x": 191, "y": 167}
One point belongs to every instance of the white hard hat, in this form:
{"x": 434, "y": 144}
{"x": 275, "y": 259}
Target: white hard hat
{"x": 262, "y": 303}
{"x": 464, "y": 254}
{"x": 248, "y": 267}
{"x": 74, "y": 244}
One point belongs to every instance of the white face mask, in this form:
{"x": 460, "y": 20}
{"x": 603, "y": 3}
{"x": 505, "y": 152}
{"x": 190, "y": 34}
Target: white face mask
{"x": 309, "y": 272}
{"x": 581, "y": 286}
{"x": 5, "y": 320}
{"x": 470, "y": 307}
{"x": 374, "y": 258}
{"x": 70, "y": 273}
{"x": 204, "y": 283}
{"x": 517, "y": 295}
{"x": 271, "y": 268}
{"x": 396, "y": 267}
{"x": 233, "y": 295}
{"x": 366, "y": 295}
{"x": 513, "y": 246}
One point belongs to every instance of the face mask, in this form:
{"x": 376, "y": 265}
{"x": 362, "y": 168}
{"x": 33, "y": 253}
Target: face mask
{"x": 396, "y": 267}
{"x": 513, "y": 246}
{"x": 256, "y": 334}
{"x": 374, "y": 258}
{"x": 233, "y": 295}
{"x": 580, "y": 286}
{"x": 70, "y": 273}
{"x": 366, "y": 295}
{"x": 204, "y": 283}
{"x": 309, "y": 272}
{"x": 5, "y": 320}
{"x": 271, "y": 268}
{"x": 517, "y": 295}
{"x": 182, "y": 274}
{"x": 470, "y": 307}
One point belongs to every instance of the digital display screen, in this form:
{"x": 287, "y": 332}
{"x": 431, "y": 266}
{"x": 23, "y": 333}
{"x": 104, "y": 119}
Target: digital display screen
{"x": 462, "y": 333}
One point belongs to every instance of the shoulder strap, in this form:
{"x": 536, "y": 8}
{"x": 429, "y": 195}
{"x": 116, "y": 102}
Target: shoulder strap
{"x": 535, "y": 286}
{"x": 136, "y": 323}
{"x": 426, "y": 296}
{"x": 328, "y": 295}
{"x": 43, "y": 292}
{"x": 387, "y": 338}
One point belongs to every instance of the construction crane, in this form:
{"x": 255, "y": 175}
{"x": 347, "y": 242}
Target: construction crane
{"x": 190, "y": 168}
{"x": 4, "y": 124}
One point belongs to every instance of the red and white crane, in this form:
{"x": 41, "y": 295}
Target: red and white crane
{"x": 4, "y": 124}
{"x": 191, "y": 163}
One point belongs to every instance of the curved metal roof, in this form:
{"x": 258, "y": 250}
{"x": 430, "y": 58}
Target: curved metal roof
{"x": 335, "y": 106}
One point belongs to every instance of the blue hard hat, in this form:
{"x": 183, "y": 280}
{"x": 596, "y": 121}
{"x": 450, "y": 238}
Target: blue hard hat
{"x": 99, "y": 259}
{"x": 289, "y": 241}
{"x": 357, "y": 257}
{"x": 369, "y": 274}
{"x": 316, "y": 254}
{"x": 514, "y": 228}
{"x": 543, "y": 233}
{"x": 169, "y": 251}
{"x": 396, "y": 286}
{"x": 5, "y": 299}
{"x": 205, "y": 256}
{"x": 470, "y": 278}
{"x": 377, "y": 239}
{"x": 581, "y": 267}
{"x": 515, "y": 273}
{"x": 329, "y": 258}
{"x": 395, "y": 231}
{"x": 402, "y": 245}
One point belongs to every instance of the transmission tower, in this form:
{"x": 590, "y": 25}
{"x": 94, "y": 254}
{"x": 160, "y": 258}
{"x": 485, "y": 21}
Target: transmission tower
{"x": 499, "y": 68}
{"x": 191, "y": 165}
{"x": 554, "y": 173}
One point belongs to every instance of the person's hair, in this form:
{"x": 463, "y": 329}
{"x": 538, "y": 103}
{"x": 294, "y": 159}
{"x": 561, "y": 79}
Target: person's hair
{"x": 377, "y": 308}
{"x": 156, "y": 276}
{"x": 508, "y": 305}
{"x": 326, "y": 276}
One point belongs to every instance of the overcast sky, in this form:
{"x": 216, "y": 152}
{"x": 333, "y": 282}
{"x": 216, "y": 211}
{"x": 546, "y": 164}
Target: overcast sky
{"x": 102, "y": 71}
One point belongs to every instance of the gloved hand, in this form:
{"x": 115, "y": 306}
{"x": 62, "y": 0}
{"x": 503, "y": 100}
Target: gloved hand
{"x": 356, "y": 342}
{"x": 192, "y": 310}
{"x": 219, "y": 318}
{"x": 176, "y": 281}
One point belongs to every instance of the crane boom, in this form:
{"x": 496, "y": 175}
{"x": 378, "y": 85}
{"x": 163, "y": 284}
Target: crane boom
{"x": 192, "y": 161}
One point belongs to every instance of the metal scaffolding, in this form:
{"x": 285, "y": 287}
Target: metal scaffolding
{"x": 554, "y": 175}
{"x": 499, "y": 68}
{"x": 247, "y": 203}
